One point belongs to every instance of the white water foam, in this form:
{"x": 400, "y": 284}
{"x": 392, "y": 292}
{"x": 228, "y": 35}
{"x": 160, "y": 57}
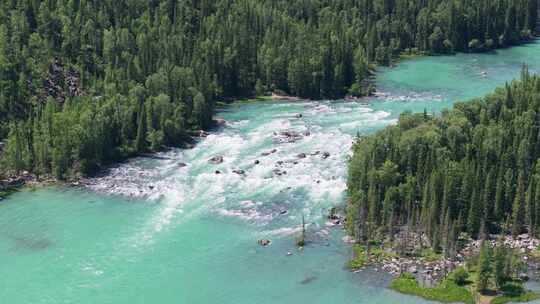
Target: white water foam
{"x": 310, "y": 185}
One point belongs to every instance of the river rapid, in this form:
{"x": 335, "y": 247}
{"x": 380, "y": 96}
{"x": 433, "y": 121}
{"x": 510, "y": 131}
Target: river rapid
{"x": 176, "y": 228}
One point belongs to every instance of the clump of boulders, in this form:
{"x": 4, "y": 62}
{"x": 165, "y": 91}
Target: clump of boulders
{"x": 289, "y": 136}
{"x": 426, "y": 271}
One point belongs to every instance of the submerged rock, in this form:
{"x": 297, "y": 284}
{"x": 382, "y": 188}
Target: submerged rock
{"x": 182, "y": 165}
{"x": 308, "y": 280}
{"x": 298, "y": 115}
{"x": 216, "y": 160}
{"x": 218, "y": 172}
{"x": 326, "y": 155}
{"x": 301, "y": 155}
{"x": 257, "y": 162}
{"x": 239, "y": 171}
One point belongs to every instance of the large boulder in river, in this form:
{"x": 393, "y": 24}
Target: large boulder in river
{"x": 264, "y": 242}
{"x": 216, "y": 160}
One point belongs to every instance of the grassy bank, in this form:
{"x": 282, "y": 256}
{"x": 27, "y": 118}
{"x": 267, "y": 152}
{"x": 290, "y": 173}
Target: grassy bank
{"x": 526, "y": 297}
{"x": 447, "y": 291}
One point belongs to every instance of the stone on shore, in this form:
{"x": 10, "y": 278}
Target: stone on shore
{"x": 203, "y": 134}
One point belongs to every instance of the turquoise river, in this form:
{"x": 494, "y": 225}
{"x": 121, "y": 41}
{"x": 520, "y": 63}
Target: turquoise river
{"x": 154, "y": 231}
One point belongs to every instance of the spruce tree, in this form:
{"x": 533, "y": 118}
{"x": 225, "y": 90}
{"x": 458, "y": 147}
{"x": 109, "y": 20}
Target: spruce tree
{"x": 518, "y": 208}
{"x": 499, "y": 260}
{"x": 484, "y": 268}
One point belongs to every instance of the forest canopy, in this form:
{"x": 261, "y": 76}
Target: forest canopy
{"x": 87, "y": 82}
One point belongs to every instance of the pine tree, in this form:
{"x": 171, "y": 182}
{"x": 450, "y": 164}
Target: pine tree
{"x": 474, "y": 220}
{"x": 140, "y": 140}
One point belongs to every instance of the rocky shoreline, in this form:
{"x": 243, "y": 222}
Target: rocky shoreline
{"x": 14, "y": 183}
{"x": 429, "y": 271}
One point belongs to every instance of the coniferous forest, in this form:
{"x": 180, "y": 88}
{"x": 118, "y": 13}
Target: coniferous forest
{"x": 474, "y": 169}
{"x": 86, "y": 82}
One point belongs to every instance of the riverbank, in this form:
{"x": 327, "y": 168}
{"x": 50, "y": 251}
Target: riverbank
{"x": 450, "y": 290}
{"x": 13, "y": 182}
{"x": 430, "y": 269}
{"x": 26, "y": 180}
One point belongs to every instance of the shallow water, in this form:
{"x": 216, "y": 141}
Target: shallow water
{"x": 153, "y": 231}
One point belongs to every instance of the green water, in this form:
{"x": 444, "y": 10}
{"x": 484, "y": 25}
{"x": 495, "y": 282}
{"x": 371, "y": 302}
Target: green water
{"x": 154, "y": 232}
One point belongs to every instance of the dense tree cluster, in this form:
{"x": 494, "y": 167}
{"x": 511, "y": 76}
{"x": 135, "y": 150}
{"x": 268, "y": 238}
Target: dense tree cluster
{"x": 474, "y": 169}
{"x": 499, "y": 268}
{"x": 84, "y": 81}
